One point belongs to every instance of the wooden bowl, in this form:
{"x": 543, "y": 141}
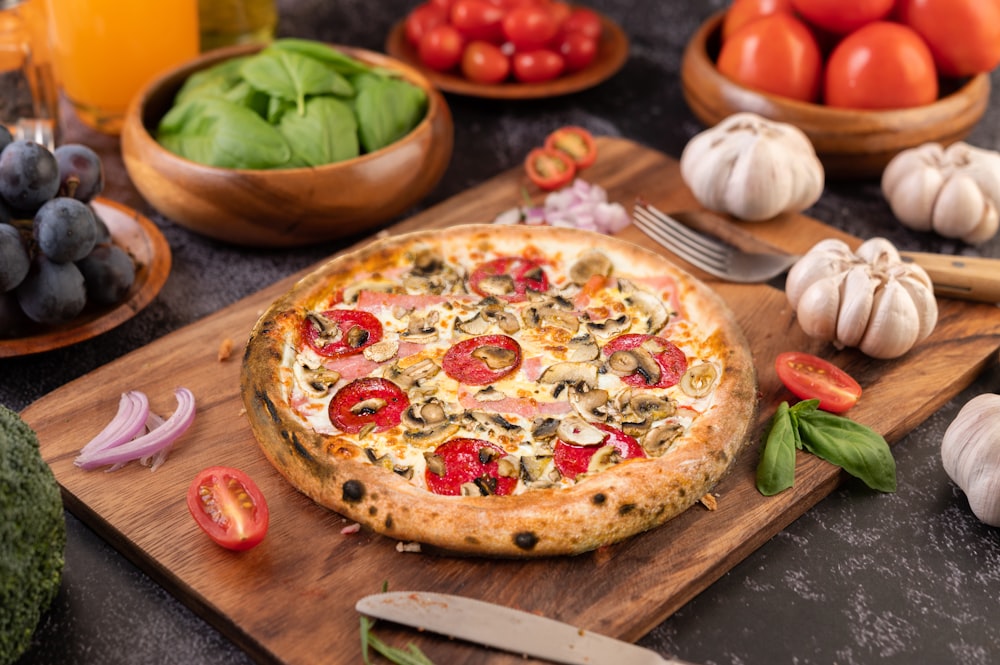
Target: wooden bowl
{"x": 850, "y": 143}
{"x": 284, "y": 207}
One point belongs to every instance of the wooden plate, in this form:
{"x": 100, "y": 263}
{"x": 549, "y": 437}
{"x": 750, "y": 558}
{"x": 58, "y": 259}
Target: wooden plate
{"x": 612, "y": 52}
{"x": 149, "y": 249}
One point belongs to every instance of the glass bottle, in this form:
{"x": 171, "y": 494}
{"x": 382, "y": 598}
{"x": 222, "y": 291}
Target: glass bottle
{"x": 229, "y": 22}
{"x": 29, "y": 100}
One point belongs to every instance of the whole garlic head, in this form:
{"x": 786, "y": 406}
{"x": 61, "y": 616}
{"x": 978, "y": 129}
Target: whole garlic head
{"x": 869, "y": 298}
{"x": 953, "y": 191}
{"x": 752, "y": 168}
{"x": 970, "y": 454}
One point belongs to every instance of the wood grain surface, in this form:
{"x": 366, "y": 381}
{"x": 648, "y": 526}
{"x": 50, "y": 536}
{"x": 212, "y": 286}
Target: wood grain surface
{"x": 291, "y": 599}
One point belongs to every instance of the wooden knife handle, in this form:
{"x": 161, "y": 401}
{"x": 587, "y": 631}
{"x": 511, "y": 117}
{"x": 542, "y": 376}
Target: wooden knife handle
{"x": 964, "y": 277}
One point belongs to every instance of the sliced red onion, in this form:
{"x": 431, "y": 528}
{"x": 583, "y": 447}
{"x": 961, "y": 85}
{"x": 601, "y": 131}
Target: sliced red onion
{"x": 580, "y": 205}
{"x": 133, "y": 408}
{"x": 148, "y": 444}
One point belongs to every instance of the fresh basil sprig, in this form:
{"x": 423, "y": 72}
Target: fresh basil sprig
{"x": 411, "y": 655}
{"x": 857, "y": 449}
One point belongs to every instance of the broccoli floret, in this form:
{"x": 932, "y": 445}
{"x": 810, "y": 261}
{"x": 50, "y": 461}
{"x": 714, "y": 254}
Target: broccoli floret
{"x": 32, "y": 535}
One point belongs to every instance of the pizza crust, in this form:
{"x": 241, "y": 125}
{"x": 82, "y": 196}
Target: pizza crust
{"x": 629, "y": 498}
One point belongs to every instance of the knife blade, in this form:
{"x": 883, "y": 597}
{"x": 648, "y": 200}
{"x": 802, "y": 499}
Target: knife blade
{"x": 505, "y": 628}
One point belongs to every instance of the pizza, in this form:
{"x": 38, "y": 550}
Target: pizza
{"x": 503, "y": 391}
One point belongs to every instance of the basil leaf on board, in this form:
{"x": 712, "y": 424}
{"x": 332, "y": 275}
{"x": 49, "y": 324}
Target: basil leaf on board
{"x": 387, "y": 110}
{"x": 292, "y": 76}
{"x": 219, "y": 133}
{"x": 339, "y": 62}
{"x": 859, "y": 450}
{"x": 324, "y": 134}
{"x": 776, "y": 469}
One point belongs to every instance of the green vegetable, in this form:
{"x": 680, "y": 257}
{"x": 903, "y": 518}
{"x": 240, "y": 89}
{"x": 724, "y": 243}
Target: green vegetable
{"x": 295, "y": 103}
{"x": 32, "y": 536}
{"x": 857, "y": 449}
{"x": 411, "y": 655}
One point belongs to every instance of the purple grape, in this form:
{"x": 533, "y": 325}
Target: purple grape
{"x": 108, "y": 273}
{"x": 52, "y": 292}
{"x": 65, "y": 229}
{"x": 81, "y": 175}
{"x": 29, "y": 176}
{"x": 14, "y": 259}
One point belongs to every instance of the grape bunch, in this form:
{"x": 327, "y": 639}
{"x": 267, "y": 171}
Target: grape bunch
{"x": 56, "y": 254}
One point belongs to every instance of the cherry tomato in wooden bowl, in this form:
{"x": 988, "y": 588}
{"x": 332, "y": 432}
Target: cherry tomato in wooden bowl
{"x": 842, "y": 16}
{"x": 229, "y": 507}
{"x": 964, "y": 35}
{"x": 811, "y": 377}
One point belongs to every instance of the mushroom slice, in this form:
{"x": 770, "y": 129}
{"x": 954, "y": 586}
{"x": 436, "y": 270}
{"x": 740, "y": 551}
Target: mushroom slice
{"x": 592, "y": 405}
{"x": 657, "y": 440}
{"x": 426, "y": 422}
{"x": 421, "y": 329}
{"x": 427, "y": 261}
{"x": 535, "y": 467}
{"x": 592, "y": 262}
{"x": 609, "y": 327}
{"x": 574, "y": 429}
{"x": 382, "y": 350}
{"x": 368, "y": 406}
{"x": 698, "y": 380}
{"x": 490, "y": 394}
{"x": 316, "y": 381}
{"x": 572, "y": 373}
{"x": 543, "y": 428}
{"x": 495, "y": 357}
{"x": 407, "y": 377}
{"x": 508, "y": 467}
{"x": 623, "y": 363}
{"x": 626, "y": 362}
{"x": 477, "y": 325}
{"x": 652, "y": 308}
{"x": 435, "y": 464}
{"x": 602, "y": 460}
{"x": 582, "y": 348}
{"x": 651, "y": 406}
{"x": 352, "y": 291}
{"x": 496, "y": 285}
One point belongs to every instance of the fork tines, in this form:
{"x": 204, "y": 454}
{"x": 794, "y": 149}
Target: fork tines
{"x": 695, "y": 248}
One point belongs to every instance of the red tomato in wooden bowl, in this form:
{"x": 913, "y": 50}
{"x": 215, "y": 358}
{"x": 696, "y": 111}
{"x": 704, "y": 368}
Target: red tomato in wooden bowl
{"x": 775, "y": 54}
{"x": 883, "y": 65}
{"x": 842, "y": 16}
{"x": 963, "y": 35}
{"x": 742, "y": 12}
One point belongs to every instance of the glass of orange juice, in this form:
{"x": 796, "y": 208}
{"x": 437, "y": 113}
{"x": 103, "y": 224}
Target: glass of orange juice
{"x": 104, "y": 51}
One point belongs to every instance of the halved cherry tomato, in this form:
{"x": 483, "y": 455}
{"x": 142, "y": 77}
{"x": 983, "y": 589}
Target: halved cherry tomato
{"x": 538, "y": 65}
{"x": 484, "y": 62}
{"x": 441, "y": 48}
{"x": 460, "y": 461}
{"x": 479, "y": 361}
{"x": 229, "y": 507}
{"x": 776, "y": 54}
{"x": 508, "y": 277}
{"x": 571, "y": 460}
{"x": 883, "y": 65}
{"x": 529, "y": 27}
{"x": 368, "y": 402}
{"x": 810, "y": 377}
{"x": 421, "y": 19}
{"x": 576, "y": 142}
{"x": 585, "y": 21}
{"x": 549, "y": 169}
{"x": 341, "y": 332}
{"x": 577, "y": 49}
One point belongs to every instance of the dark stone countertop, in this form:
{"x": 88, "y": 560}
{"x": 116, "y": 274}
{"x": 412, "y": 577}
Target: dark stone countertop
{"x": 909, "y": 577}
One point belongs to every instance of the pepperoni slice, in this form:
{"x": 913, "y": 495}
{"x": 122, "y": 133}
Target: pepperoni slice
{"x": 671, "y": 360}
{"x": 341, "y": 332}
{"x": 572, "y": 460}
{"x": 508, "y": 277}
{"x": 459, "y": 461}
{"x": 366, "y": 402}
{"x": 479, "y": 361}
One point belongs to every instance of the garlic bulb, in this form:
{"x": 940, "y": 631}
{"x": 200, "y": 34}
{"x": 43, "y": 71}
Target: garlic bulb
{"x": 970, "y": 453}
{"x": 869, "y": 299}
{"x": 752, "y": 168}
{"x": 953, "y": 191}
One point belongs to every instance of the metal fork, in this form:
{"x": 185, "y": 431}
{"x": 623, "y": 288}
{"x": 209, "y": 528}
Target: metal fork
{"x": 709, "y": 254}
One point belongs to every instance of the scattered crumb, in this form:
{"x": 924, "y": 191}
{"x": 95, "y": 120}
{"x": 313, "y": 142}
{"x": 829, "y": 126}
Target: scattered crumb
{"x": 407, "y": 547}
{"x": 351, "y": 528}
{"x": 225, "y": 349}
{"x": 709, "y": 501}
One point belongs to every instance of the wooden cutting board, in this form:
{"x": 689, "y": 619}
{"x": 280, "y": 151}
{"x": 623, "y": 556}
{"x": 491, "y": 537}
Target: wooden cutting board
{"x": 291, "y": 599}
